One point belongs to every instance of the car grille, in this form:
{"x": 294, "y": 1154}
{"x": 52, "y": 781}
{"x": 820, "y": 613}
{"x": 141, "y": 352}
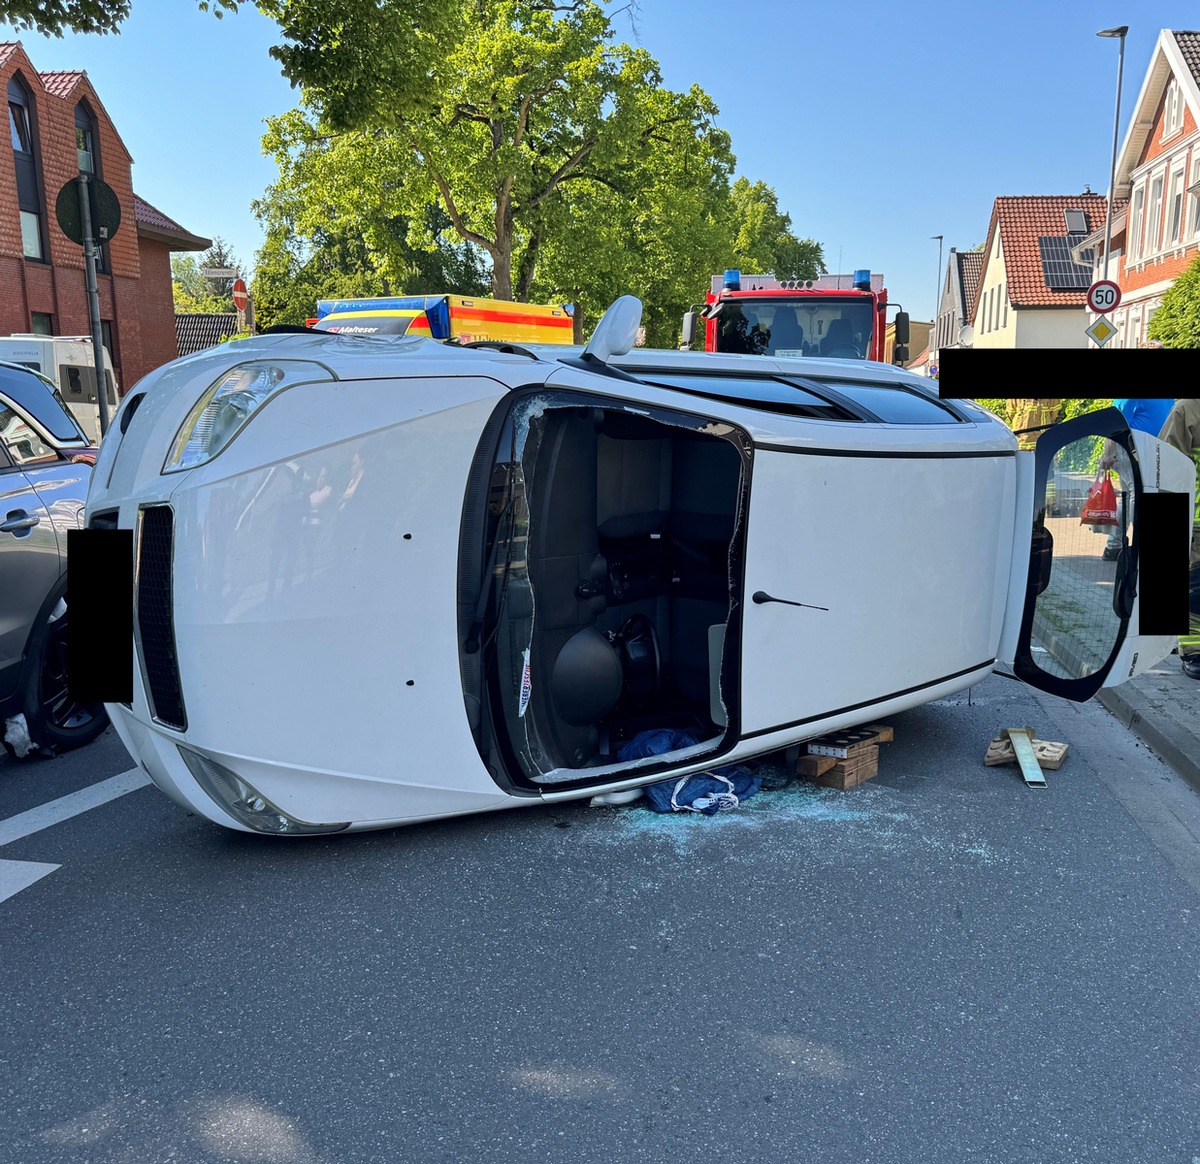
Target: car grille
{"x": 156, "y": 629}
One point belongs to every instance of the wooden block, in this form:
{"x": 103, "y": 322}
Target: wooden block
{"x": 1049, "y": 754}
{"x": 811, "y": 766}
{"x": 847, "y": 774}
{"x": 885, "y": 733}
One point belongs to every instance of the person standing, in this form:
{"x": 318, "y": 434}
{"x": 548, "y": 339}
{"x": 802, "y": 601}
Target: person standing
{"x": 1148, "y": 416}
{"x": 1182, "y": 430}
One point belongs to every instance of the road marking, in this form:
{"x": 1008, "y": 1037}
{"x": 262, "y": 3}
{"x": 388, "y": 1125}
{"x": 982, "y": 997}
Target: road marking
{"x": 65, "y": 807}
{"x": 18, "y": 875}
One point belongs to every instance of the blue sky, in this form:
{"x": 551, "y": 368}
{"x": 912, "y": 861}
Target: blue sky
{"x": 878, "y": 124}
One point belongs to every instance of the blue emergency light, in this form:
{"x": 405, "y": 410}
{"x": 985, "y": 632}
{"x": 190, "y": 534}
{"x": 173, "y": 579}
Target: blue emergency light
{"x": 733, "y": 280}
{"x": 862, "y": 280}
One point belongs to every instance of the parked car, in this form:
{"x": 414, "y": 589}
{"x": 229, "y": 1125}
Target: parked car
{"x": 45, "y": 467}
{"x": 382, "y": 580}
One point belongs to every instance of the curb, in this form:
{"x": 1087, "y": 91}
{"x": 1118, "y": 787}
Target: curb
{"x": 1176, "y": 748}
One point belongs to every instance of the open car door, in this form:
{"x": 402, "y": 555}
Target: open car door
{"x": 1076, "y": 628}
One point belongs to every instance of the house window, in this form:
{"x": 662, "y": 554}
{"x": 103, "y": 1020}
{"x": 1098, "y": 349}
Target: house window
{"x": 1135, "y": 222}
{"x": 89, "y": 163}
{"x": 1172, "y": 110}
{"x": 1195, "y": 188}
{"x": 41, "y": 323}
{"x": 29, "y": 200}
{"x": 85, "y": 139}
{"x": 1005, "y": 298}
{"x": 1175, "y": 206}
{"x": 1154, "y": 217}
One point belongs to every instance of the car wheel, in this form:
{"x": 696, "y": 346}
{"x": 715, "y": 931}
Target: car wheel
{"x": 57, "y": 722}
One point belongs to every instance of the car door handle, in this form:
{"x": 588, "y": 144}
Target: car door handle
{"x": 18, "y": 520}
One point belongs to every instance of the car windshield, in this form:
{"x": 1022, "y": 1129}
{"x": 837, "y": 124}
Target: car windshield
{"x": 38, "y": 397}
{"x": 815, "y": 325}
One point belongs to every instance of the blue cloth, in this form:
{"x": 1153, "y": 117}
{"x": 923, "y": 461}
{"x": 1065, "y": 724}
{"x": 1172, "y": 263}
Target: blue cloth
{"x": 703, "y": 792}
{"x": 1147, "y": 415}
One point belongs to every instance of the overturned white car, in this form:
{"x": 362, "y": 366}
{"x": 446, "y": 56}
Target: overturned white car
{"x": 384, "y": 580}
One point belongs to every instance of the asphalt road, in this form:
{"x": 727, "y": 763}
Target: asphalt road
{"x": 939, "y": 965}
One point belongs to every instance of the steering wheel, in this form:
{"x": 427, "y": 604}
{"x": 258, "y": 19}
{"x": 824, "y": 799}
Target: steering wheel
{"x": 843, "y": 352}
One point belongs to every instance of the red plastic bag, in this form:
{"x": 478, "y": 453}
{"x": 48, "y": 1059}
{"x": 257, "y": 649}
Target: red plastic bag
{"x": 1100, "y": 509}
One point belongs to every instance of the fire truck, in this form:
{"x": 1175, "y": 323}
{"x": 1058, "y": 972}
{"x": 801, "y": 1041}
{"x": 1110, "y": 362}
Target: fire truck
{"x": 842, "y": 316}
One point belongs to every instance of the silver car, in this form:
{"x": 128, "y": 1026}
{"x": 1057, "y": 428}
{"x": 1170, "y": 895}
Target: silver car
{"x": 45, "y": 468}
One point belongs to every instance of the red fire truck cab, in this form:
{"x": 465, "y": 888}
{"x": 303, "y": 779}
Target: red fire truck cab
{"x": 842, "y": 316}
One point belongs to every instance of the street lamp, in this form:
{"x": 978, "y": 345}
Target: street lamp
{"x": 937, "y": 286}
{"x": 1112, "y": 174}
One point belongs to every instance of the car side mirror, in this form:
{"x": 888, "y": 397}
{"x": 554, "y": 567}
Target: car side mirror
{"x": 689, "y": 330}
{"x": 902, "y": 335}
{"x": 900, "y": 355}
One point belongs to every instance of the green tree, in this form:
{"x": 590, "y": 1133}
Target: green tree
{"x": 335, "y": 262}
{"x": 655, "y": 224}
{"x": 491, "y": 109}
{"x": 763, "y": 240}
{"x": 1177, "y": 322}
{"x": 195, "y": 292}
{"x": 54, "y": 17}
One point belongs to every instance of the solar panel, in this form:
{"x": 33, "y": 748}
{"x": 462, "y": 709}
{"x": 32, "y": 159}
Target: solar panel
{"x": 1058, "y": 269}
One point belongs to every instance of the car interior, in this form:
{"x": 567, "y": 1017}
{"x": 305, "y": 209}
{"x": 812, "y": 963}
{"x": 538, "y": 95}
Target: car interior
{"x": 614, "y": 560}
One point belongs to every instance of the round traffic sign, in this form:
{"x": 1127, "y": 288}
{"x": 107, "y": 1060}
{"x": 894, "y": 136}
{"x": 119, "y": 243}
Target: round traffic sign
{"x": 103, "y": 203}
{"x": 240, "y": 295}
{"x": 1103, "y": 296}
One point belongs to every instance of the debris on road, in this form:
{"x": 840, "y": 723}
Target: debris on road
{"x": 16, "y": 736}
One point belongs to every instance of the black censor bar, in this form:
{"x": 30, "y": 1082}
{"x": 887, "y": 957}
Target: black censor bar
{"x": 1067, "y": 373}
{"x": 1163, "y": 564}
{"x": 100, "y": 609}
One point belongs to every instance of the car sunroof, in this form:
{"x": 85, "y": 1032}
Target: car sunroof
{"x": 763, "y": 392}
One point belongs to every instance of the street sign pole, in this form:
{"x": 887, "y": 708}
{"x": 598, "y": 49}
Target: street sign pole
{"x": 93, "y": 298}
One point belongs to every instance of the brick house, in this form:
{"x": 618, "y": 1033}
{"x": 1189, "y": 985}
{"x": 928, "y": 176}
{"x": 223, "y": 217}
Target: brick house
{"x": 1032, "y": 290}
{"x": 58, "y": 126}
{"x": 1156, "y": 213}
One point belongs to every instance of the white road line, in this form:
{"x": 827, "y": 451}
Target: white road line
{"x": 18, "y": 875}
{"x": 65, "y": 807}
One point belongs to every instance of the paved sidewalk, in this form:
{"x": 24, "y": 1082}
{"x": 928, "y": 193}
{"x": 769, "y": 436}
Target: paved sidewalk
{"x": 1162, "y": 707}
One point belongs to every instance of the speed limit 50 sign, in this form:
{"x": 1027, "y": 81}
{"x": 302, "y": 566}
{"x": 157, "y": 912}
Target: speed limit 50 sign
{"x": 1103, "y": 296}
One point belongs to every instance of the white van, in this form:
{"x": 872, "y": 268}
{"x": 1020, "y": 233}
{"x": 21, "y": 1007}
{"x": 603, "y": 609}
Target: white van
{"x": 67, "y": 360}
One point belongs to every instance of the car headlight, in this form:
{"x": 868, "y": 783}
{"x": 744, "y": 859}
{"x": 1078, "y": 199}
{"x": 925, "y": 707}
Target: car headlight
{"x": 245, "y": 803}
{"x": 222, "y": 412}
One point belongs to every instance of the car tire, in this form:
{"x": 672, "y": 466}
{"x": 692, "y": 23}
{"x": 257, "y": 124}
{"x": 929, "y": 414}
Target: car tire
{"x": 56, "y": 722}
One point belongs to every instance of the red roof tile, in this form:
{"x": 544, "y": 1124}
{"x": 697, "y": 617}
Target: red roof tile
{"x": 153, "y": 222}
{"x": 60, "y": 84}
{"x": 7, "y": 48}
{"x": 1021, "y": 220}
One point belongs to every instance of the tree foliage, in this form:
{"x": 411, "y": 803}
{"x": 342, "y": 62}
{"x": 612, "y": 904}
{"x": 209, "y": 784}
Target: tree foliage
{"x": 763, "y": 239}
{"x": 1177, "y": 322}
{"x": 54, "y": 17}
{"x": 552, "y": 153}
{"x": 195, "y": 292}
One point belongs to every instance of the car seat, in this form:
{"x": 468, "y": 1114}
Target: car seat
{"x": 786, "y": 332}
{"x": 840, "y": 340}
